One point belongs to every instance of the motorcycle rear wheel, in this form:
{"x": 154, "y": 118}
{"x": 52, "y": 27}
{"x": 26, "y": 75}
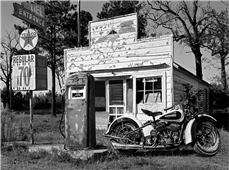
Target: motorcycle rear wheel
{"x": 120, "y": 131}
{"x": 207, "y": 139}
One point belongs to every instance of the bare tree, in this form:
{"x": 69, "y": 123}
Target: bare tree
{"x": 9, "y": 44}
{"x": 187, "y": 21}
{"x": 217, "y": 40}
{"x": 60, "y": 72}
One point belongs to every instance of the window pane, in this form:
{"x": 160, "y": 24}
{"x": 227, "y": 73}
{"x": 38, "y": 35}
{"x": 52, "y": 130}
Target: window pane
{"x": 153, "y": 90}
{"x": 116, "y": 92}
{"x": 119, "y": 110}
{"x": 153, "y": 97}
{"x": 152, "y": 93}
{"x": 157, "y": 84}
{"x": 112, "y": 110}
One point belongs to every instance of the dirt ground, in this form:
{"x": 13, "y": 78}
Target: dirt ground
{"x": 3, "y": 162}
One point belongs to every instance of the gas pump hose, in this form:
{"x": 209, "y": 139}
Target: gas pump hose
{"x": 62, "y": 116}
{"x": 63, "y": 108}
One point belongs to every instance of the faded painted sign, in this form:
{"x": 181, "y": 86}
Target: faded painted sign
{"x": 37, "y": 9}
{"x": 29, "y": 16}
{"x": 122, "y": 30}
{"x": 114, "y": 45}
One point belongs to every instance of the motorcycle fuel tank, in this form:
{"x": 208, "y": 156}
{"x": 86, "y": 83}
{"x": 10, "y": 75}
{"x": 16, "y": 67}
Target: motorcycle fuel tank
{"x": 173, "y": 116}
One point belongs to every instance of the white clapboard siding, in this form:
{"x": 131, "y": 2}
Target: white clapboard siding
{"x": 134, "y": 49}
{"x": 168, "y": 88}
{"x": 122, "y": 59}
{"x": 121, "y": 55}
{"x": 113, "y": 40}
{"x": 97, "y": 66}
{"x": 150, "y": 43}
{"x": 127, "y": 41}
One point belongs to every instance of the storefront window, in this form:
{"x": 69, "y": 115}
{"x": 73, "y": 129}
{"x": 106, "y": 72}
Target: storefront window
{"x": 149, "y": 90}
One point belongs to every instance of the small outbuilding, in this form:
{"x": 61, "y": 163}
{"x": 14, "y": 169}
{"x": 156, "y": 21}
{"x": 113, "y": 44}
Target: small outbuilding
{"x": 130, "y": 73}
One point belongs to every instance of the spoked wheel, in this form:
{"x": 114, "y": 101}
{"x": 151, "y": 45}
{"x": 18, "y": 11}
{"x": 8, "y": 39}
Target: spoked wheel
{"x": 123, "y": 130}
{"x": 207, "y": 139}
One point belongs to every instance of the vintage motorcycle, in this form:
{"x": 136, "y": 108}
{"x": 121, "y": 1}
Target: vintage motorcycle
{"x": 180, "y": 126}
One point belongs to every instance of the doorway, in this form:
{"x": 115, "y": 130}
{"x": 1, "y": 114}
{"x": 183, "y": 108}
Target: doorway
{"x": 115, "y": 99}
{"x": 100, "y": 96}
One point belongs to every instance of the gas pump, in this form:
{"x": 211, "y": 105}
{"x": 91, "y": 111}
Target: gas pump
{"x": 80, "y": 111}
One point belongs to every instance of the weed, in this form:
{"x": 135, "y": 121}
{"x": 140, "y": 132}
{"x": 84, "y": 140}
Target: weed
{"x": 60, "y": 156}
{"x": 42, "y": 154}
{"x": 7, "y": 122}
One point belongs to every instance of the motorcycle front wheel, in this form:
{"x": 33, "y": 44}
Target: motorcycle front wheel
{"x": 207, "y": 139}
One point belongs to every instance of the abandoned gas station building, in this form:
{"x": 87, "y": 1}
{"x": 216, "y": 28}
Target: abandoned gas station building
{"x": 131, "y": 73}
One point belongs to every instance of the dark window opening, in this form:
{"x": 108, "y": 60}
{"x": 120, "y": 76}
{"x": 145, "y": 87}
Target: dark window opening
{"x": 100, "y": 96}
{"x": 116, "y": 92}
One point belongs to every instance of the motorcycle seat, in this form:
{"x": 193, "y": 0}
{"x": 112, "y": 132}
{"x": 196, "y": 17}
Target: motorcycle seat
{"x": 149, "y": 113}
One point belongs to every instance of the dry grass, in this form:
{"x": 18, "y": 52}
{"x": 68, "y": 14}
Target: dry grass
{"x": 47, "y": 130}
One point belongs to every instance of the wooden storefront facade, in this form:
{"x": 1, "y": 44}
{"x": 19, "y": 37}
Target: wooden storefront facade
{"x": 130, "y": 73}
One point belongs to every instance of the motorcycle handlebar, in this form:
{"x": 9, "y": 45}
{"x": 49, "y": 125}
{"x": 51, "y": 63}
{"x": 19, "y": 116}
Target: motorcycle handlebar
{"x": 168, "y": 108}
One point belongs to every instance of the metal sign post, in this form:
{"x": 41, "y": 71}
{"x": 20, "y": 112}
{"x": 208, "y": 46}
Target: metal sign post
{"x": 31, "y": 116}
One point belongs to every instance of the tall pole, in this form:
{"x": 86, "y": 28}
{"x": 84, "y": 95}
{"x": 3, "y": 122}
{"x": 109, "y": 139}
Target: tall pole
{"x": 78, "y": 24}
{"x": 53, "y": 33}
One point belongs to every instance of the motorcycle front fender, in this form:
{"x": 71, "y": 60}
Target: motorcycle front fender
{"x": 125, "y": 118}
{"x": 189, "y": 133}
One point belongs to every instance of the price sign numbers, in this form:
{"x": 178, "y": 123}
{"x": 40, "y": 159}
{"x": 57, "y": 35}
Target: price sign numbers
{"x": 25, "y": 75}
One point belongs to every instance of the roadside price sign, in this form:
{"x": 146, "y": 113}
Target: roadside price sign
{"x": 29, "y": 72}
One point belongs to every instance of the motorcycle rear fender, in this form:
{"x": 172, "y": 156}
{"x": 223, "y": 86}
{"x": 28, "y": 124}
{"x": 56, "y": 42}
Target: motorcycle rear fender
{"x": 125, "y": 118}
{"x": 190, "y": 130}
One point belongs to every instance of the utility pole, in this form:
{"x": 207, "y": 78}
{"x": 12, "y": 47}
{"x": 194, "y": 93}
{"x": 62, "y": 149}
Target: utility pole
{"x": 78, "y": 24}
{"x": 53, "y": 42}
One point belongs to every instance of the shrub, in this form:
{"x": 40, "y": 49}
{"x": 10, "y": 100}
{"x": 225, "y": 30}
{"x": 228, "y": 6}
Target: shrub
{"x": 219, "y": 98}
{"x": 11, "y": 129}
{"x": 7, "y": 122}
